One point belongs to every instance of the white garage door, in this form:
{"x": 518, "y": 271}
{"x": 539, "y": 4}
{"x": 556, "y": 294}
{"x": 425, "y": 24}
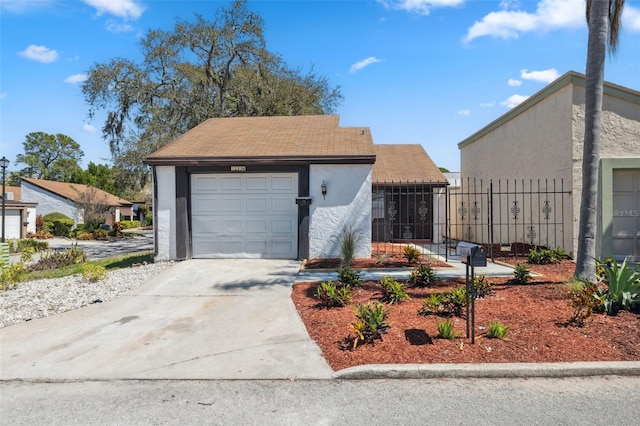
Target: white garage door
{"x": 244, "y": 215}
{"x": 626, "y": 214}
{"x": 14, "y": 224}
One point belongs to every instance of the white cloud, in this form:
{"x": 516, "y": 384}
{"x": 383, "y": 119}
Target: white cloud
{"x": 422, "y": 7}
{"x": 364, "y": 63}
{"x": 75, "y": 78}
{"x": 126, "y": 9}
{"x": 88, "y": 128}
{"x": 545, "y": 76}
{"x": 488, "y": 104}
{"x": 514, "y": 83}
{"x": 464, "y": 112}
{"x": 514, "y": 100}
{"x": 512, "y": 21}
{"x": 114, "y": 27}
{"x": 39, "y": 53}
{"x": 630, "y": 19}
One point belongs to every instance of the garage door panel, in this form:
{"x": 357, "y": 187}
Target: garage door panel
{"x": 284, "y": 183}
{"x": 245, "y": 215}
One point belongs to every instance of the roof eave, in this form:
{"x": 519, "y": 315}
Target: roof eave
{"x": 260, "y": 160}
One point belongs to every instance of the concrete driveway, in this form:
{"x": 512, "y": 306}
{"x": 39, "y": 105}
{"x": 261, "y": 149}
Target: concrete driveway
{"x": 200, "y": 319}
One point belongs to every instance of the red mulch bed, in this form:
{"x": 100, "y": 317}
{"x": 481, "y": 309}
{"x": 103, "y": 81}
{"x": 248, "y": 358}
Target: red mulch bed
{"x": 538, "y": 314}
{"x": 384, "y": 255}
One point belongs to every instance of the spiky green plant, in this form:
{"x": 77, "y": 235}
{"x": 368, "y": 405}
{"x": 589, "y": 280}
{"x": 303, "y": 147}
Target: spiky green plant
{"x": 496, "y": 330}
{"x": 445, "y": 330}
{"x": 623, "y": 286}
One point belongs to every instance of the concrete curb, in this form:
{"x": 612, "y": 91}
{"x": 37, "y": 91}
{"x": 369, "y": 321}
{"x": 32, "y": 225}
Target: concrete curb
{"x": 494, "y": 371}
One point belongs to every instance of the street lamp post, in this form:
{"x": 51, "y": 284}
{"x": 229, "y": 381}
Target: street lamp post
{"x": 4, "y": 163}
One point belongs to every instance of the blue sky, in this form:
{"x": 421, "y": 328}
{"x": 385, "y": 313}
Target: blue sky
{"x": 415, "y": 71}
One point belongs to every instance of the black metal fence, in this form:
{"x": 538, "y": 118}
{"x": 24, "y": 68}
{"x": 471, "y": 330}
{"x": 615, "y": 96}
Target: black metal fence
{"x": 508, "y": 217}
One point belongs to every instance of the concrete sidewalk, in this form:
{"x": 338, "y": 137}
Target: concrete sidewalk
{"x": 200, "y": 319}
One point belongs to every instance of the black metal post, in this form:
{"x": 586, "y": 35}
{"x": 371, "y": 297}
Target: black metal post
{"x": 3, "y": 163}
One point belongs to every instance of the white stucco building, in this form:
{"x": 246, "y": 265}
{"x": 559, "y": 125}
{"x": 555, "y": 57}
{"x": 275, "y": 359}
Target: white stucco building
{"x": 263, "y": 187}
{"x": 542, "y": 140}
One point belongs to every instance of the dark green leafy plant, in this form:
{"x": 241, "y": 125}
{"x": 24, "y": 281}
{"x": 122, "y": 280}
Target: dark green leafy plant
{"x": 431, "y": 305}
{"x": 445, "y": 330}
{"x": 623, "y": 286}
{"x": 371, "y": 323}
{"x": 423, "y": 276}
{"x": 411, "y": 253}
{"x": 521, "y": 274}
{"x": 483, "y": 287}
{"x": 392, "y": 290}
{"x": 497, "y": 330}
{"x": 348, "y": 276}
{"x": 454, "y": 302}
{"x": 331, "y": 295}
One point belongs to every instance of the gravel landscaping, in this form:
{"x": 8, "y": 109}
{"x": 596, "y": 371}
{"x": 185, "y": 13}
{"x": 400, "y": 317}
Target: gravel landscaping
{"x": 42, "y": 298}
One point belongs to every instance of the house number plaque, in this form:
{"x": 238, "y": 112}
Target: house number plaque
{"x": 238, "y": 168}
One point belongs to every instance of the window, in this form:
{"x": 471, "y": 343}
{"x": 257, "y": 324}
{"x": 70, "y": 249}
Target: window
{"x": 377, "y": 204}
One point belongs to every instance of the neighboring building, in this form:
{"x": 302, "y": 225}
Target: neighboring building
{"x": 269, "y": 187}
{"x": 20, "y": 216}
{"x": 68, "y": 198}
{"x": 407, "y": 191}
{"x": 541, "y": 140}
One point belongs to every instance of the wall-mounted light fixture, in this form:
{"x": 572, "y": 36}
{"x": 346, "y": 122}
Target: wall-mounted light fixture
{"x": 323, "y": 187}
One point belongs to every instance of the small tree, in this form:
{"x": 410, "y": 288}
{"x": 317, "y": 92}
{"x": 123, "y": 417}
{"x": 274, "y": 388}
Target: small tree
{"x": 94, "y": 206}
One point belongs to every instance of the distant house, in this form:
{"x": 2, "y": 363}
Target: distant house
{"x": 68, "y": 198}
{"x": 406, "y": 189}
{"x": 20, "y": 216}
{"x": 539, "y": 143}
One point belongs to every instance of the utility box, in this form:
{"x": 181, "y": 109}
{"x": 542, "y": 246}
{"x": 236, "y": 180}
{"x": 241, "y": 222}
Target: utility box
{"x": 4, "y": 254}
{"x": 475, "y": 253}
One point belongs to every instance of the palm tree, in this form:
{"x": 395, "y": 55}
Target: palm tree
{"x": 603, "y": 17}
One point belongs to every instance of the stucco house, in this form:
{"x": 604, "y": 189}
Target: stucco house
{"x": 264, "y": 187}
{"x": 20, "y": 216}
{"x": 67, "y": 198}
{"x": 408, "y": 190}
{"x": 542, "y": 139}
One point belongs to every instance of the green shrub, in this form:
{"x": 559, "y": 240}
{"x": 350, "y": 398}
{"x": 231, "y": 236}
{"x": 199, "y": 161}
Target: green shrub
{"x": 348, "y": 247}
{"x": 497, "y": 331}
{"x": 331, "y": 295}
{"x": 392, "y": 290}
{"x": 129, "y": 224}
{"x": 445, "y": 330}
{"x": 371, "y": 323}
{"x": 58, "y": 224}
{"x": 411, "y": 253}
{"x": 521, "y": 274}
{"x": 623, "y": 287}
{"x": 93, "y": 272}
{"x": 431, "y": 305}
{"x": 545, "y": 256}
{"x": 560, "y": 253}
{"x": 10, "y": 275}
{"x": 100, "y": 234}
{"x": 483, "y": 287}
{"x": 423, "y": 276}
{"x": 348, "y": 276}
{"x": 454, "y": 302}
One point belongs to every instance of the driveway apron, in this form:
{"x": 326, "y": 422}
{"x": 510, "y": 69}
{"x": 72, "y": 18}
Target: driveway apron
{"x": 200, "y": 319}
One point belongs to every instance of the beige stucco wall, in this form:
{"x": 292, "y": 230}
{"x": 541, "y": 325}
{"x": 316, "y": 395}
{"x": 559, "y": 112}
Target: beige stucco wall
{"x": 545, "y": 141}
{"x": 619, "y": 138}
{"x": 531, "y": 146}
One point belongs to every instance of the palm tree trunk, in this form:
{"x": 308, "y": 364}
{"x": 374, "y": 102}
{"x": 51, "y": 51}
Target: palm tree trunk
{"x": 597, "y": 48}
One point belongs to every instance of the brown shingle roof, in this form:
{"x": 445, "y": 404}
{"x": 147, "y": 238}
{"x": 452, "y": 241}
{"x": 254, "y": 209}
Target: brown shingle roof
{"x": 16, "y": 190}
{"x": 73, "y": 191}
{"x": 261, "y": 138}
{"x": 405, "y": 163}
